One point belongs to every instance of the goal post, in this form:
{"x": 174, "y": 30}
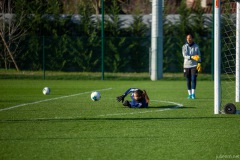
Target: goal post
{"x": 226, "y": 55}
{"x": 217, "y": 57}
{"x": 237, "y": 52}
{"x": 156, "y": 68}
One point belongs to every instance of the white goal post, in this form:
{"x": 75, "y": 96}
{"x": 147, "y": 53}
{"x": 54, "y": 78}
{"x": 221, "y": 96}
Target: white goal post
{"x": 217, "y": 57}
{"x": 232, "y": 65}
{"x": 156, "y": 62}
{"x": 237, "y": 52}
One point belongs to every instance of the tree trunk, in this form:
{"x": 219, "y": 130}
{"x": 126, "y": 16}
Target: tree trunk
{"x": 9, "y": 52}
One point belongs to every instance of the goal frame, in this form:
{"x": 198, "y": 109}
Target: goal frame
{"x": 217, "y": 55}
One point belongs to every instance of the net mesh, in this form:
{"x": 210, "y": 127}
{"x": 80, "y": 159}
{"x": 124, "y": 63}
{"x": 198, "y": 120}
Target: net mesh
{"x": 228, "y": 52}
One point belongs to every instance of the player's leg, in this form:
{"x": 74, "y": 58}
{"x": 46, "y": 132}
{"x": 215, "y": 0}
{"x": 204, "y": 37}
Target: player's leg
{"x": 187, "y": 74}
{"x": 193, "y": 81}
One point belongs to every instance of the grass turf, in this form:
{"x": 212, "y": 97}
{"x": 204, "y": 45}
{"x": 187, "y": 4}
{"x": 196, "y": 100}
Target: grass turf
{"x": 67, "y": 125}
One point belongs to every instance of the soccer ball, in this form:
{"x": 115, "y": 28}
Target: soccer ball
{"x": 95, "y": 96}
{"x": 46, "y": 90}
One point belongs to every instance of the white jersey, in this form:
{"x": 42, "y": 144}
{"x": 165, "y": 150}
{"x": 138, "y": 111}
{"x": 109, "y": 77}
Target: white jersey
{"x": 188, "y": 51}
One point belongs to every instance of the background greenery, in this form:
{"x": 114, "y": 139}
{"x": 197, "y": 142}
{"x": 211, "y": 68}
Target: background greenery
{"x": 68, "y": 46}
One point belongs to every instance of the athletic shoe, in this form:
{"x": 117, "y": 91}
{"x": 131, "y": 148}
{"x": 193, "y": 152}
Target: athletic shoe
{"x": 189, "y": 97}
{"x": 193, "y": 96}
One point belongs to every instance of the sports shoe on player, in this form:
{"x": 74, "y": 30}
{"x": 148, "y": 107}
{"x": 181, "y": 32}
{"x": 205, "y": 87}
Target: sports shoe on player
{"x": 189, "y": 97}
{"x": 193, "y": 96}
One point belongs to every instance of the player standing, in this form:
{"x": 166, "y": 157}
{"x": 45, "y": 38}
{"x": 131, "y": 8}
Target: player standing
{"x": 192, "y": 64}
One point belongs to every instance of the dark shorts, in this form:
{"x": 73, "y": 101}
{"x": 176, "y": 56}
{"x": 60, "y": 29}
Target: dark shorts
{"x": 189, "y": 72}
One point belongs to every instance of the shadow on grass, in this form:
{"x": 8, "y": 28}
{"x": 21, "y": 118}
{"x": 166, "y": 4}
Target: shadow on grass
{"x": 107, "y": 118}
{"x": 170, "y": 107}
{"x": 111, "y": 119}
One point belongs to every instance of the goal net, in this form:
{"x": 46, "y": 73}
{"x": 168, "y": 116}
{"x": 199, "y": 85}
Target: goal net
{"x": 229, "y": 58}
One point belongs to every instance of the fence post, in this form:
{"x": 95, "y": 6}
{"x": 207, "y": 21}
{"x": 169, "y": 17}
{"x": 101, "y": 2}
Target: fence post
{"x": 43, "y": 52}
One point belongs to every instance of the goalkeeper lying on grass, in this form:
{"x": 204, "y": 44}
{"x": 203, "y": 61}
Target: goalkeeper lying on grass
{"x": 139, "y": 98}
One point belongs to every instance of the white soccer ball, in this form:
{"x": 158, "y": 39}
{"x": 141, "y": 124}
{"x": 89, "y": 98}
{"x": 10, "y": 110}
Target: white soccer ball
{"x": 95, "y": 96}
{"x": 46, "y": 90}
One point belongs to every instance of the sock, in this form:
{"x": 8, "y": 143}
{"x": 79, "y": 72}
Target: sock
{"x": 189, "y": 92}
{"x": 193, "y": 91}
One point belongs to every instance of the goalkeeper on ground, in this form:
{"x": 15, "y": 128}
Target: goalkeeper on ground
{"x": 192, "y": 64}
{"x": 139, "y": 98}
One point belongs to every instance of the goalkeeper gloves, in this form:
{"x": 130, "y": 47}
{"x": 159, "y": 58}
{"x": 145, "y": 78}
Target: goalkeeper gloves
{"x": 195, "y": 57}
{"x": 121, "y": 98}
{"x": 199, "y": 67}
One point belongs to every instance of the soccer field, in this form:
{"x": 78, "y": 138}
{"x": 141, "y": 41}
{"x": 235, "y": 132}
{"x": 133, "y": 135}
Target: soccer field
{"x": 67, "y": 124}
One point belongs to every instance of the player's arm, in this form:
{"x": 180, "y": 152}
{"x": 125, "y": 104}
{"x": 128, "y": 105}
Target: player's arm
{"x": 187, "y": 55}
{"x": 200, "y": 56}
{"x": 121, "y": 98}
{"x": 199, "y": 67}
{"x": 195, "y": 57}
{"x": 197, "y": 54}
{"x": 130, "y": 90}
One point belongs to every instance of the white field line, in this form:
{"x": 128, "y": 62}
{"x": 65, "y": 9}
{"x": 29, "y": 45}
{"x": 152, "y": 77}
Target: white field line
{"x": 177, "y": 105}
{"x": 149, "y": 111}
{"x": 51, "y": 99}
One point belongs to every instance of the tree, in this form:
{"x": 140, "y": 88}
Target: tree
{"x": 10, "y": 31}
{"x": 71, "y": 6}
{"x": 202, "y": 34}
{"x": 126, "y": 6}
{"x": 43, "y": 20}
{"x": 139, "y": 44}
{"x": 117, "y": 56}
{"x": 86, "y": 46}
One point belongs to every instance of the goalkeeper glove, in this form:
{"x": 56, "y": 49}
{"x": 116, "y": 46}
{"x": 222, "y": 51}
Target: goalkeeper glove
{"x": 195, "y": 57}
{"x": 199, "y": 67}
{"x": 121, "y": 98}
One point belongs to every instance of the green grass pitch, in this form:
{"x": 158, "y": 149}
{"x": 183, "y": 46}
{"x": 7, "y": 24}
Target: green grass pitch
{"x": 67, "y": 124}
